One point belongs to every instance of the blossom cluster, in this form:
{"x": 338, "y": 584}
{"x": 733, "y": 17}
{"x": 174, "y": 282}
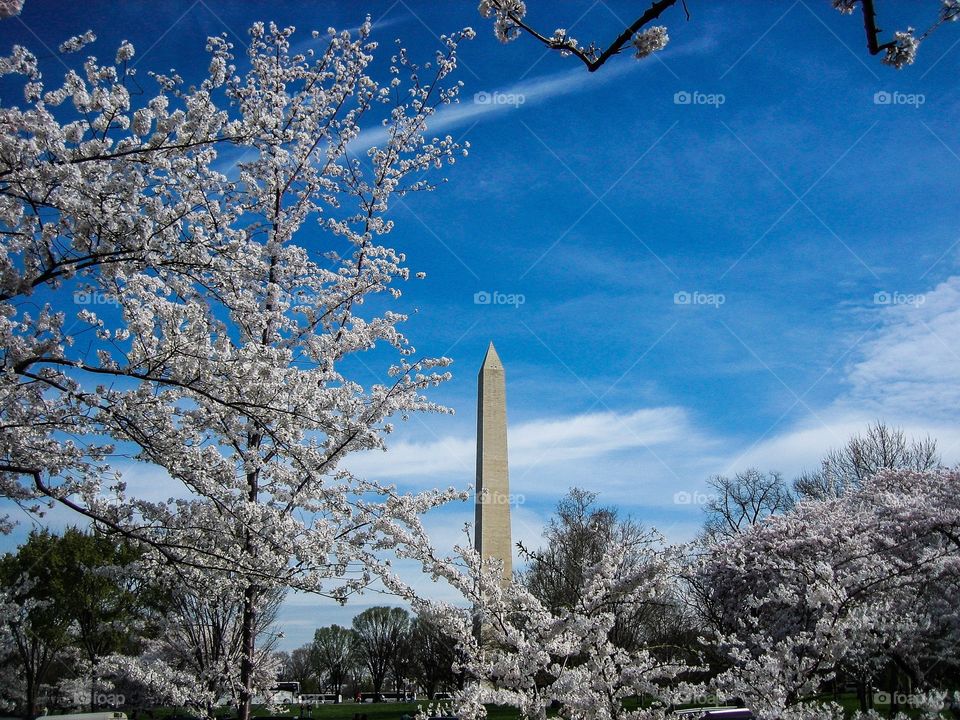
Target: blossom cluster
{"x": 646, "y": 42}
{"x": 505, "y": 14}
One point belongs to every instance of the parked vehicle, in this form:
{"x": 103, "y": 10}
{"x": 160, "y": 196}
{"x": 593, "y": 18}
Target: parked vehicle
{"x": 320, "y": 698}
{"x": 716, "y": 713}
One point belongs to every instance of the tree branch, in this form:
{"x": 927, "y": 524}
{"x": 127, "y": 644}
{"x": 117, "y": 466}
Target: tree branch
{"x": 594, "y": 63}
{"x": 871, "y": 29}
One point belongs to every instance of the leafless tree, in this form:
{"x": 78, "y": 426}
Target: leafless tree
{"x": 742, "y": 501}
{"x": 298, "y": 665}
{"x": 434, "y": 656}
{"x": 377, "y": 635}
{"x": 735, "y": 506}
{"x": 401, "y": 660}
{"x": 881, "y": 447}
{"x": 204, "y": 635}
{"x": 333, "y": 657}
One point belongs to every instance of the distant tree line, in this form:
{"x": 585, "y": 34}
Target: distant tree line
{"x": 385, "y": 650}
{"x": 77, "y": 608}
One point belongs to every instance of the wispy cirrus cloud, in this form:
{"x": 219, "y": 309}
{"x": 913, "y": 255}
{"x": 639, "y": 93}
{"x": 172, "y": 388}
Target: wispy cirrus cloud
{"x": 543, "y": 442}
{"x": 914, "y": 357}
{"x": 906, "y": 373}
{"x": 492, "y": 102}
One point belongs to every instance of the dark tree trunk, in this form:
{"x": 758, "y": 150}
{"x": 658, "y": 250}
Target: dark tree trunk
{"x": 248, "y": 636}
{"x": 248, "y": 641}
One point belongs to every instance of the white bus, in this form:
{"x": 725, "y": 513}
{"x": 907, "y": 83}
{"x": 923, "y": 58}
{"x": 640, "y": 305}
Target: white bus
{"x": 320, "y": 699}
{"x": 282, "y": 693}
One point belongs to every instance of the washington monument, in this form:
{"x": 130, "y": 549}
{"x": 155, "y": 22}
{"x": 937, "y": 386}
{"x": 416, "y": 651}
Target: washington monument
{"x": 493, "y": 537}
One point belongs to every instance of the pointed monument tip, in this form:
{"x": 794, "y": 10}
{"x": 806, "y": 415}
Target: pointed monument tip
{"x": 491, "y": 359}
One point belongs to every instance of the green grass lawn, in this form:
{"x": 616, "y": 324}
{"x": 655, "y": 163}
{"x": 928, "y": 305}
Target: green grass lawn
{"x": 396, "y": 711}
{"x": 373, "y": 711}
{"x": 391, "y": 711}
{"x": 851, "y": 705}
{"x": 386, "y": 712}
{"x": 345, "y": 711}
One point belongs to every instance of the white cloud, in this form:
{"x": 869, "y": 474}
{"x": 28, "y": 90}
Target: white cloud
{"x": 593, "y": 434}
{"x": 911, "y": 367}
{"x": 544, "y": 442}
{"x": 906, "y": 373}
{"x": 497, "y": 101}
{"x": 796, "y": 448}
{"x": 471, "y": 108}
{"x": 703, "y": 44}
{"x": 451, "y": 456}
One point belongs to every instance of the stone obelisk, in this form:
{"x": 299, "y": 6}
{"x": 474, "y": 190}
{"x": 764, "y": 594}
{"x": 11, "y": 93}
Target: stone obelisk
{"x": 493, "y": 537}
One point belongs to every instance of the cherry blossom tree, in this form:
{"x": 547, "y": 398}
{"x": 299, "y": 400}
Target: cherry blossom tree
{"x": 200, "y": 646}
{"x": 9, "y": 8}
{"x": 513, "y": 649}
{"x": 16, "y": 611}
{"x": 867, "y": 579}
{"x": 862, "y": 579}
{"x": 575, "y": 541}
{"x": 184, "y": 279}
{"x": 510, "y": 22}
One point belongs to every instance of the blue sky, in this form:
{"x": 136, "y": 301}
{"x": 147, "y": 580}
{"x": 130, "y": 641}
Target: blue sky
{"x": 812, "y": 228}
